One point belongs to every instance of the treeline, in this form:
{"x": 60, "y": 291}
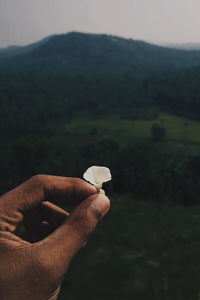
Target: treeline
{"x": 31, "y": 102}
{"x": 178, "y": 93}
{"x": 37, "y": 96}
{"x": 140, "y": 170}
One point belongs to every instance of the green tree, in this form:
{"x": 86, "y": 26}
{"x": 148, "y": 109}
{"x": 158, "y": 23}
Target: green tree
{"x": 158, "y": 132}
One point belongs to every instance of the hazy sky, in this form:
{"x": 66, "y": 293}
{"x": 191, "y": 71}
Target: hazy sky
{"x": 167, "y": 21}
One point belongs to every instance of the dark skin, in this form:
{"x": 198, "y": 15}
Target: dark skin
{"x": 38, "y": 239}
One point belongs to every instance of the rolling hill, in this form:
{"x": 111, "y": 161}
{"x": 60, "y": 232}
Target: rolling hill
{"x": 92, "y": 55}
{"x": 13, "y": 51}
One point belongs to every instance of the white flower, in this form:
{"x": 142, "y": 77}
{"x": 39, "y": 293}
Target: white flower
{"x": 97, "y": 176}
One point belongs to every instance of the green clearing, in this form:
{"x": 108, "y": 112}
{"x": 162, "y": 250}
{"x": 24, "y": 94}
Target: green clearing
{"x": 180, "y": 132}
{"x": 141, "y": 251}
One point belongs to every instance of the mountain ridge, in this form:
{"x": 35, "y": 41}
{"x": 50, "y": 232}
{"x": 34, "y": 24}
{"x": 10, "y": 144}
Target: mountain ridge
{"x": 15, "y": 50}
{"x": 98, "y": 55}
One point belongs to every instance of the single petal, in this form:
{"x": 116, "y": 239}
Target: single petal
{"x": 102, "y": 173}
{"x": 89, "y": 176}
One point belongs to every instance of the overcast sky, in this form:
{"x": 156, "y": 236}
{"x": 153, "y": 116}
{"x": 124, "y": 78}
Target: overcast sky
{"x": 165, "y": 21}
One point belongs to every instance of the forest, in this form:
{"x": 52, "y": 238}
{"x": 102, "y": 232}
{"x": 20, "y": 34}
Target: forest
{"x": 38, "y": 132}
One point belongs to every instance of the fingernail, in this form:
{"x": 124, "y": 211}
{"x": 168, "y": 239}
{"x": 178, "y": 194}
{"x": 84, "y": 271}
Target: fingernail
{"x": 102, "y": 203}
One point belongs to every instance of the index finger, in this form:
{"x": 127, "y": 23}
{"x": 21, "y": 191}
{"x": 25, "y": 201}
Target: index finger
{"x": 39, "y": 188}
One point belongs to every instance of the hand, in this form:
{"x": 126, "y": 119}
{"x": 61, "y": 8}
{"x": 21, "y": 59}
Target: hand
{"x": 38, "y": 239}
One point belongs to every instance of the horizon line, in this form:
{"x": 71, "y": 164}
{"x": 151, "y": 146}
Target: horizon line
{"x": 157, "y": 43}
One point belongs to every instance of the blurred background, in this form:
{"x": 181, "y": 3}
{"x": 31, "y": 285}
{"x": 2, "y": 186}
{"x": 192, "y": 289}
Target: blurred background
{"x": 113, "y": 83}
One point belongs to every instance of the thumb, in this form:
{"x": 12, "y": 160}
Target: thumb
{"x": 61, "y": 246}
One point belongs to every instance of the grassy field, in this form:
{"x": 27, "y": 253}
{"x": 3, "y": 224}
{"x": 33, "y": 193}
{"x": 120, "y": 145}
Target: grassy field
{"x": 181, "y": 133}
{"x": 141, "y": 251}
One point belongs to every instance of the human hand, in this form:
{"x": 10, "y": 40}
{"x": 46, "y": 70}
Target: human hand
{"x": 38, "y": 239}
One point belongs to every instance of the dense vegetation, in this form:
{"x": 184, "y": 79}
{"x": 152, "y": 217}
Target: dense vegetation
{"x": 37, "y": 113}
{"x": 72, "y": 101}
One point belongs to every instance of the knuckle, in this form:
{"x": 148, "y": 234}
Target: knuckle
{"x": 38, "y": 179}
{"x": 75, "y": 182}
{"x": 78, "y": 180}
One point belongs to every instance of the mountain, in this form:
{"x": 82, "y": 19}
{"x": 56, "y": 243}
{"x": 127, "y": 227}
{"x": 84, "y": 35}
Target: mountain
{"x": 12, "y": 51}
{"x": 9, "y": 49}
{"x": 73, "y": 73}
{"x": 93, "y": 55}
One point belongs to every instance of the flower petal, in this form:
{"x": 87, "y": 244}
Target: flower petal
{"x": 97, "y": 175}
